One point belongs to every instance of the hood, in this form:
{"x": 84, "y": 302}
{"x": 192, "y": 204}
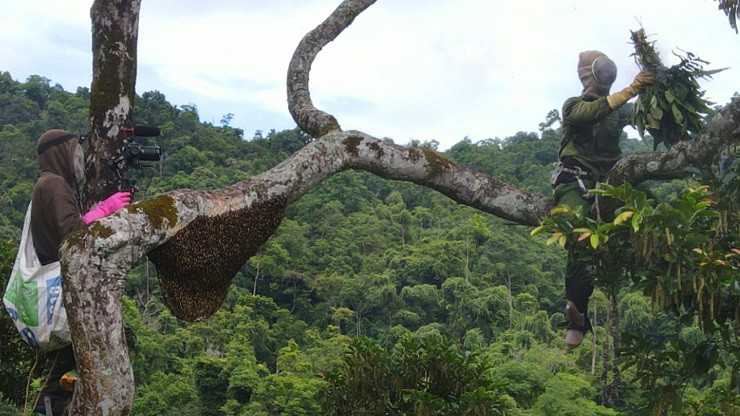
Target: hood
{"x": 56, "y": 150}
{"x": 597, "y": 73}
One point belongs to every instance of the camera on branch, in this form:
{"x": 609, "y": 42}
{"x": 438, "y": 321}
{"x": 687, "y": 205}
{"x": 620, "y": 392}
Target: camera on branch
{"x": 133, "y": 153}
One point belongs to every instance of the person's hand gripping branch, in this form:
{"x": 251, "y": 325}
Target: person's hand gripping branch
{"x": 108, "y": 207}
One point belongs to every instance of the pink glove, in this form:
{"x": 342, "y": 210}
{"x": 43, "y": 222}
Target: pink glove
{"x": 107, "y": 207}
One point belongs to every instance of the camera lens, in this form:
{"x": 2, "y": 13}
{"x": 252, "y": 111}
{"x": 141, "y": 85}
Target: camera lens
{"x": 151, "y": 153}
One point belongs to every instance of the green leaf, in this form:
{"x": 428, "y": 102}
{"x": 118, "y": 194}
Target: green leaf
{"x": 652, "y": 122}
{"x": 669, "y": 96}
{"x": 677, "y": 113}
{"x": 537, "y": 230}
{"x": 623, "y": 217}
{"x": 594, "y": 240}
{"x": 656, "y": 113}
{"x": 562, "y": 240}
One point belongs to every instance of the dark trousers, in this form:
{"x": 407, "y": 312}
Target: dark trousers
{"x": 57, "y": 363}
{"x": 578, "y": 285}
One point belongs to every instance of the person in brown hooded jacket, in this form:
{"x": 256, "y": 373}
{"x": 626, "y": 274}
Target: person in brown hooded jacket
{"x": 56, "y": 212}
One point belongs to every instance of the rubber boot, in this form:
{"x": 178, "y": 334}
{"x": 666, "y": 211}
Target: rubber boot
{"x": 577, "y": 325}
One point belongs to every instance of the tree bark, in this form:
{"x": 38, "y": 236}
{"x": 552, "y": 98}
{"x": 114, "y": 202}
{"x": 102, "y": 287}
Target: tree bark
{"x": 199, "y": 239}
{"x": 115, "y": 30}
{"x": 721, "y": 131}
{"x": 313, "y": 121}
{"x": 616, "y": 383}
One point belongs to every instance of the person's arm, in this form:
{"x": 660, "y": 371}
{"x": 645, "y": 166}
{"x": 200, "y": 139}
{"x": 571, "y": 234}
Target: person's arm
{"x": 64, "y": 212}
{"x": 618, "y": 99}
{"x": 578, "y": 111}
{"x": 107, "y": 207}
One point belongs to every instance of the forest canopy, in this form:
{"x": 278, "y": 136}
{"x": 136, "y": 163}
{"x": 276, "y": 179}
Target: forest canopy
{"x": 367, "y": 270}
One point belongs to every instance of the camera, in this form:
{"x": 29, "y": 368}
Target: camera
{"x": 133, "y": 153}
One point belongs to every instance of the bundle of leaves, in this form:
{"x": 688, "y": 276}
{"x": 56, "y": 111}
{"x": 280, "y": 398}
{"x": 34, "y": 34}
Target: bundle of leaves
{"x": 673, "y": 108}
{"x": 731, "y": 9}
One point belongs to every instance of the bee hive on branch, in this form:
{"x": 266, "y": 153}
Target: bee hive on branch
{"x": 196, "y": 267}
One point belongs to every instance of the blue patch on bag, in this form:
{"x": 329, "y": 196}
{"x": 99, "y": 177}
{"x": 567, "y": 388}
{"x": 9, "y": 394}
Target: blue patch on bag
{"x": 13, "y": 313}
{"x": 29, "y": 337}
{"x": 53, "y": 291}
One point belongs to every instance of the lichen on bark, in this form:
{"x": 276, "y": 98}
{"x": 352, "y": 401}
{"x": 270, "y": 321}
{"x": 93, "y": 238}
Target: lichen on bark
{"x": 438, "y": 164}
{"x": 160, "y": 210}
{"x": 351, "y": 145}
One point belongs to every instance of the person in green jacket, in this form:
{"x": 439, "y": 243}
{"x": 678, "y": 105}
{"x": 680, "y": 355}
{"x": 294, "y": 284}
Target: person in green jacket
{"x": 592, "y": 125}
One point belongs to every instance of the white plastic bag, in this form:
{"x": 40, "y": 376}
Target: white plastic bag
{"x": 34, "y": 299}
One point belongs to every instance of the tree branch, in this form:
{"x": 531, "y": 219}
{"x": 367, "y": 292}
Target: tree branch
{"x": 310, "y": 119}
{"x": 720, "y": 132}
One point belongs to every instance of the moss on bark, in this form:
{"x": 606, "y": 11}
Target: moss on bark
{"x": 157, "y": 209}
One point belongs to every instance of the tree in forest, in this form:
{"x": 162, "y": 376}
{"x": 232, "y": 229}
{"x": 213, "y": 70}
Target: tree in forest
{"x": 424, "y": 375}
{"x": 198, "y": 240}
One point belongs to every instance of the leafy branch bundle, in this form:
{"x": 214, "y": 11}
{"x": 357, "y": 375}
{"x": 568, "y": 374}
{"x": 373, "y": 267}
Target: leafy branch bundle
{"x": 673, "y": 108}
{"x": 732, "y": 10}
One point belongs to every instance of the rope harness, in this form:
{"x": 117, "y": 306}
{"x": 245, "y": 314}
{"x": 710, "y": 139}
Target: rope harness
{"x": 579, "y": 174}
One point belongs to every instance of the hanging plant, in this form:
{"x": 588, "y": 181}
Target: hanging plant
{"x": 673, "y": 108}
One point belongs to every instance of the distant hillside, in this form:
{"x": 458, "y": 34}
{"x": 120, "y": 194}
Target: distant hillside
{"x": 357, "y": 256}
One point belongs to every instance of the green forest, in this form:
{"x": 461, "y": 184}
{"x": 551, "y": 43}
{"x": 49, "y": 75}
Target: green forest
{"x": 386, "y": 298}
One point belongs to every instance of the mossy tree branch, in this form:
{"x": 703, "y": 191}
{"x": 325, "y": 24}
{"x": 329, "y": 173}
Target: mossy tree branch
{"x": 310, "y": 119}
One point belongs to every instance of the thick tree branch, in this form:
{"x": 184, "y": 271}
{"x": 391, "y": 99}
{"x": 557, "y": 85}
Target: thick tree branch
{"x": 310, "y": 119}
{"x": 432, "y": 170}
{"x": 720, "y": 132}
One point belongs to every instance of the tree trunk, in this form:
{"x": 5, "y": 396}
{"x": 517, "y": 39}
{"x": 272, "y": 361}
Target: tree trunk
{"x": 115, "y": 30}
{"x": 595, "y": 341}
{"x": 611, "y": 377}
{"x": 605, "y": 359}
{"x": 616, "y": 383}
{"x": 510, "y": 300}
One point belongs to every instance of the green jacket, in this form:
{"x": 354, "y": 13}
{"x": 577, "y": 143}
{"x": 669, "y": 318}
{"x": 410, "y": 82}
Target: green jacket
{"x": 591, "y": 132}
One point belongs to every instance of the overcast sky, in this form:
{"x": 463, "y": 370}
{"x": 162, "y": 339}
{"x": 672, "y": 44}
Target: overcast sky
{"x": 406, "y": 69}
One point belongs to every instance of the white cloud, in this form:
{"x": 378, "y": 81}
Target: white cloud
{"x": 423, "y": 69}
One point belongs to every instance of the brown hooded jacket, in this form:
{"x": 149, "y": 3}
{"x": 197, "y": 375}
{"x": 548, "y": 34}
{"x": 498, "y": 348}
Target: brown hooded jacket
{"x": 55, "y": 211}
